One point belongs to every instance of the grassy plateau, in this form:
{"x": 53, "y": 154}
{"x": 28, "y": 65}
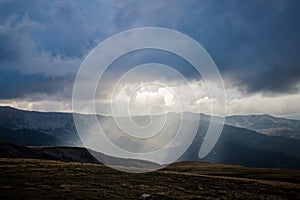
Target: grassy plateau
{"x": 44, "y": 179}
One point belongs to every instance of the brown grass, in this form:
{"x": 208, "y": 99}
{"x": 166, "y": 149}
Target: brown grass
{"x": 40, "y": 179}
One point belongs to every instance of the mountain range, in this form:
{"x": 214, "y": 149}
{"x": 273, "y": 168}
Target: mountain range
{"x": 254, "y": 140}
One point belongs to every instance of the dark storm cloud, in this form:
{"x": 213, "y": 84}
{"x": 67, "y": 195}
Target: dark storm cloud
{"x": 26, "y": 70}
{"x": 256, "y": 44}
{"x": 20, "y": 50}
{"x": 279, "y": 78}
{"x": 17, "y": 85}
{"x": 69, "y": 29}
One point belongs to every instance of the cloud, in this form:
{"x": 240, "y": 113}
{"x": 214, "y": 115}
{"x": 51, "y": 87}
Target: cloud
{"x": 34, "y": 86}
{"x": 260, "y": 104}
{"x": 42, "y": 44}
{"x": 258, "y": 51}
{"x": 254, "y": 50}
{"x": 27, "y": 71}
{"x": 50, "y": 105}
{"x": 157, "y": 97}
{"x": 19, "y": 51}
{"x": 237, "y": 104}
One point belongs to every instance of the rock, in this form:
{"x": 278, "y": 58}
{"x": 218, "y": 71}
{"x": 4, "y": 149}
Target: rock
{"x": 145, "y": 196}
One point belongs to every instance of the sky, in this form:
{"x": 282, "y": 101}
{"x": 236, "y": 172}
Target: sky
{"x": 255, "y": 45}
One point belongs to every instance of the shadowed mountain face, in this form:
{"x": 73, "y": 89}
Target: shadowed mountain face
{"x": 68, "y": 154}
{"x": 236, "y": 145}
{"x": 241, "y": 146}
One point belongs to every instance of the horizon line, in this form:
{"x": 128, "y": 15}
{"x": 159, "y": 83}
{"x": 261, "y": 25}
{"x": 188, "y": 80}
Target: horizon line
{"x": 101, "y": 114}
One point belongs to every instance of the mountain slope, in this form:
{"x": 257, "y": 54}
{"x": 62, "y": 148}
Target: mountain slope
{"x": 267, "y": 124}
{"x": 29, "y": 137}
{"x": 245, "y": 147}
{"x": 58, "y": 125}
{"x": 68, "y": 154}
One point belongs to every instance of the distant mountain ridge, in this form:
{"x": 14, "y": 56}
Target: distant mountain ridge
{"x": 267, "y": 124}
{"x": 63, "y": 124}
